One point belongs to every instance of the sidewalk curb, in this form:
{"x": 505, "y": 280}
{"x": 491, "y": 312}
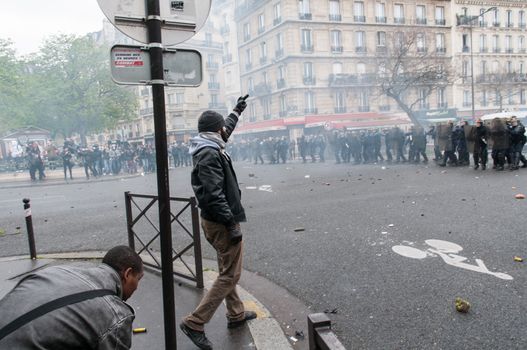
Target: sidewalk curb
{"x": 265, "y": 329}
{"x": 58, "y": 182}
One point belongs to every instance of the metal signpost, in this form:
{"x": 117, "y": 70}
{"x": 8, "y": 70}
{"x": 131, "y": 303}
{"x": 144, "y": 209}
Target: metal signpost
{"x": 158, "y": 23}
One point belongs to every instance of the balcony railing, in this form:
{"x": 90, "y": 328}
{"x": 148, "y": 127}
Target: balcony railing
{"x": 263, "y": 60}
{"x": 311, "y": 110}
{"x": 360, "y": 19}
{"x": 364, "y": 108}
{"x": 381, "y": 50}
{"x": 483, "y": 49}
{"x": 420, "y": 21}
{"x": 277, "y": 20}
{"x": 212, "y": 65}
{"x": 261, "y": 30}
{"x": 225, "y": 29}
{"x": 466, "y": 49}
{"x": 351, "y": 79}
{"x": 305, "y": 16}
{"x": 422, "y": 49}
{"x": 282, "y": 114}
{"x": 306, "y": 47}
{"x": 335, "y": 18}
{"x": 384, "y": 108}
{"x": 279, "y": 53}
{"x": 440, "y": 21}
{"x": 424, "y": 106}
{"x": 248, "y": 66}
{"x": 399, "y": 20}
{"x": 509, "y": 50}
{"x": 442, "y": 105}
{"x": 227, "y": 58}
{"x": 510, "y": 25}
{"x": 341, "y": 109}
{"x": 217, "y": 105}
{"x": 521, "y": 50}
{"x": 361, "y": 49}
{"x": 309, "y": 80}
{"x": 246, "y": 37}
{"x": 496, "y": 24}
{"x": 380, "y": 19}
{"x": 280, "y": 83}
{"x": 146, "y": 111}
{"x": 496, "y": 50}
{"x": 441, "y": 50}
{"x": 337, "y": 49}
{"x": 262, "y": 89}
{"x": 213, "y": 85}
{"x": 466, "y": 104}
{"x": 521, "y": 25}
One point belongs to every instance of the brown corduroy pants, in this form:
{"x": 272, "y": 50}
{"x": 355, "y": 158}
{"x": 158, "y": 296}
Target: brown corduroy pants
{"x": 230, "y": 269}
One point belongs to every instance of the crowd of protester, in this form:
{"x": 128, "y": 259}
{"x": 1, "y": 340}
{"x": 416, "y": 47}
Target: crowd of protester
{"x": 451, "y": 146}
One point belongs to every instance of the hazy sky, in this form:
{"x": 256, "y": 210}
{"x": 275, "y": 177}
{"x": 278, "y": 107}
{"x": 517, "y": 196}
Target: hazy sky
{"x": 28, "y": 22}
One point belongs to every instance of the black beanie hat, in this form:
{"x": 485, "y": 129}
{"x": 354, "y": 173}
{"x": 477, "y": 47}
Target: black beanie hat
{"x": 210, "y": 121}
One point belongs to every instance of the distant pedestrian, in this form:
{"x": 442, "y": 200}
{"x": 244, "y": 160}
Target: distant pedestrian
{"x": 219, "y": 198}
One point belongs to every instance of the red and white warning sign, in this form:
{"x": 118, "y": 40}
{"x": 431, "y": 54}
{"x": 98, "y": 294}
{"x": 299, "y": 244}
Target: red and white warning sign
{"x": 128, "y": 58}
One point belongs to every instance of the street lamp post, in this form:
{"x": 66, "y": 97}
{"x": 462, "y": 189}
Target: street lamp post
{"x": 470, "y": 20}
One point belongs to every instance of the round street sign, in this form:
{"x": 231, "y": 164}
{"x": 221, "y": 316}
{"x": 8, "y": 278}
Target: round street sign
{"x": 181, "y": 18}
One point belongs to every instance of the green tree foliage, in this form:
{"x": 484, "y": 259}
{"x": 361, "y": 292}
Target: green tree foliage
{"x": 11, "y": 88}
{"x": 68, "y": 88}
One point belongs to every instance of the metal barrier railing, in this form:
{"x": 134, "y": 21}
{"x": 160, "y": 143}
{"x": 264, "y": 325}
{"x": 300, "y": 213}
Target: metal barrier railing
{"x": 321, "y": 337}
{"x": 195, "y": 275}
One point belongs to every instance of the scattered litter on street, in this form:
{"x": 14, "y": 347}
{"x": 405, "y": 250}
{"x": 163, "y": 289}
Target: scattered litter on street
{"x": 518, "y": 259}
{"x": 293, "y": 339}
{"x": 251, "y": 175}
{"x": 299, "y": 229}
{"x": 520, "y": 196}
{"x": 391, "y": 225}
{"x": 307, "y": 176}
{"x": 2, "y": 232}
{"x": 462, "y": 305}
{"x": 139, "y": 330}
{"x": 334, "y": 311}
{"x": 300, "y": 334}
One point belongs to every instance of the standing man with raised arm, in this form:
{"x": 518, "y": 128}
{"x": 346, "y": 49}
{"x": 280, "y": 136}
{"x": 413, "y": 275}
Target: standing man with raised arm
{"x": 219, "y": 198}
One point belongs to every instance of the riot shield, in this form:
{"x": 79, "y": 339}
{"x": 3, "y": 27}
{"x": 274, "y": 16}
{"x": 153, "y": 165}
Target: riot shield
{"x": 470, "y": 137}
{"x": 499, "y": 135}
{"x": 444, "y": 137}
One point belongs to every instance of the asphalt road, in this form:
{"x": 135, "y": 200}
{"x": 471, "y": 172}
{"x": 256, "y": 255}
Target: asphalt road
{"x": 327, "y": 233}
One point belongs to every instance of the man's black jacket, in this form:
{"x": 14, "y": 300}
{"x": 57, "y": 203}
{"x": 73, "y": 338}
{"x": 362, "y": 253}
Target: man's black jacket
{"x": 214, "y": 181}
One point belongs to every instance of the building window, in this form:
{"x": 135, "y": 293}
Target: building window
{"x": 252, "y": 112}
{"x": 509, "y": 67}
{"x": 495, "y": 43}
{"x": 484, "y": 99}
{"x": 358, "y": 11}
{"x": 277, "y": 12}
{"x": 261, "y": 23}
{"x": 306, "y": 40}
{"x": 364, "y": 101}
{"x": 464, "y": 69}
{"x": 303, "y": 9}
{"x": 171, "y": 98}
{"x": 250, "y": 84}
{"x": 521, "y": 44}
{"x": 421, "y": 42}
{"x": 360, "y": 39}
{"x": 521, "y": 19}
{"x": 248, "y": 57}
{"x": 508, "y": 44}
{"x": 381, "y": 38}
{"x": 340, "y": 105}
{"x": 482, "y": 43}
{"x": 481, "y": 18}
{"x": 398, "y": 13}
{"x": 281, "y": 72}
{"x": 440, "y": 43}
{"x": 263, "y": 52}
{"x": 441, "y": 102}
{"x": 420, "y": 14}
{"x": 283, "y": 104}
{"x": 380, "y": 12}
{"x": 522, "y": 97}
{"x": 246, "y": 31}
{"x": 334, "y": 10}
{"x": 440, "y": 16}
{"x": 180, "y": 98}
{"x": 509, "y": 23}
{"x": 466, "y": 99}
{"x": 309, "y": 97}
{"x": 521, "y": 68}
{"x": 496, "y": 17}
{"x": 308, "y": 70}
{"x": 336, "y": 44}
{"x": 483, "y": 69}
{"x": 497, "y": 97}
{"x": 361, "y": 68}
